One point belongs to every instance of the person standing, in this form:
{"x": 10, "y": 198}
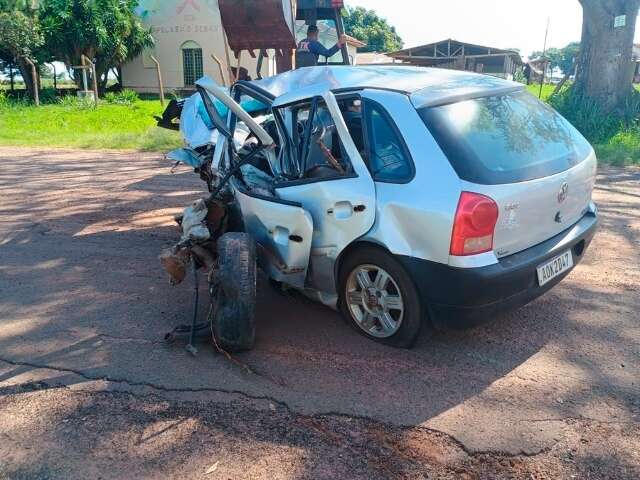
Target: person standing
{"x": 310, "y": 49}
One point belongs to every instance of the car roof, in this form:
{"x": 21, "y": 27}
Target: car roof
{"x": 427, "y": 86}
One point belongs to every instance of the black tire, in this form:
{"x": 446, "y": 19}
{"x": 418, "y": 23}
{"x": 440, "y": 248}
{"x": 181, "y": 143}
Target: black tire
{"x": 412, "y": 316}
{"x": 234, "y": 293}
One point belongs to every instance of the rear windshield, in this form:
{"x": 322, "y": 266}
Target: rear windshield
{"x": 505, "y": 139}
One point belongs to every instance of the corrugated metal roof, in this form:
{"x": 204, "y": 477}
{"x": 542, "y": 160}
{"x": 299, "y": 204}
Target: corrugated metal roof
{"x": 430, "y": 47}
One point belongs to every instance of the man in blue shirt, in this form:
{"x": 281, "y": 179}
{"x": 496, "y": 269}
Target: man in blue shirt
{"x": 310, "y": 48}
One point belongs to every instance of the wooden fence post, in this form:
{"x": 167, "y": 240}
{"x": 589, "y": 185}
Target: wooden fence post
{"x": 55, "y": 79}
{"x": 11, "y": 77}
{"x": 222, "y": 75}
{"x": 160, "y": 84}
{"x": 92, "y": 67}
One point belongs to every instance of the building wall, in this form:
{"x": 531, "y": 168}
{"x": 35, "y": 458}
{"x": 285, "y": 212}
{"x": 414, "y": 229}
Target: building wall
{"x": 174, "y": 23}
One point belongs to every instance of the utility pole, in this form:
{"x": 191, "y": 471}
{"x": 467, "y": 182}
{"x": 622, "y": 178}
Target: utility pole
{"x": 544, "y": 61}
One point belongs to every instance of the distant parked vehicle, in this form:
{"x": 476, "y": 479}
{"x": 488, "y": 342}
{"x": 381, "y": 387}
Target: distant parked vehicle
{"x": 404, "y": 197}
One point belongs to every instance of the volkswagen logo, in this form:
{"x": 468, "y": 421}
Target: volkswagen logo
{"x": 563, "y": 193}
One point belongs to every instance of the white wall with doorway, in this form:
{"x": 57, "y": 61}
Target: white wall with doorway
{"x": 187, "y": 33}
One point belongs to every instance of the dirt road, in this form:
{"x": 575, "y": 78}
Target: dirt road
{"x": 89, "y": 390}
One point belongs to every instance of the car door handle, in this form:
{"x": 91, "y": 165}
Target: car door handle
{"x": 345, "y": 209}
{"x": 356, "y": 209}
{"x": 282, "y": 236}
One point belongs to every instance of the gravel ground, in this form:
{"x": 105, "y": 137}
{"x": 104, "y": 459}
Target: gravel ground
{"x": 89, "y": 390}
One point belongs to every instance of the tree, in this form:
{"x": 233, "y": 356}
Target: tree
{"x": 368, "y": 27}
{"x": 553, "y": 55}
{"x": 605, "y": 67}
{"x": 13, "y": 5}
{"x": 562, "y": 58}
{"x": 106, "y": 31}
{"x": 569, "y": 57}
{"x": 20, "y": 39}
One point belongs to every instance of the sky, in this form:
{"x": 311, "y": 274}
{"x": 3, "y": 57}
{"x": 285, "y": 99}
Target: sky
{"x": 496, "y": 23}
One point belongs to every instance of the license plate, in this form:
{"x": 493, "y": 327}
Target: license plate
{"x": 554, "y": 267}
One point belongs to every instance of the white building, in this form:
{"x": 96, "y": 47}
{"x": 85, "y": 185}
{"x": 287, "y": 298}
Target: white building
{"x": 188, "y": 33}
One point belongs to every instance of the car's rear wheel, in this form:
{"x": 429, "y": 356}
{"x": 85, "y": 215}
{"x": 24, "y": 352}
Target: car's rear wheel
{"x": 379, "y": 298}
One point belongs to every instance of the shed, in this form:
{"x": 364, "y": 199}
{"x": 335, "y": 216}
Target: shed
{"x": 534, "y": 69}
{"x": 456, "y": 55}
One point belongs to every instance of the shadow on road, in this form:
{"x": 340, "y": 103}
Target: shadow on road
{"x": 82, "y": 293}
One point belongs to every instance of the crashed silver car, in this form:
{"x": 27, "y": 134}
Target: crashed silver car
{"x": 406, "y": 198}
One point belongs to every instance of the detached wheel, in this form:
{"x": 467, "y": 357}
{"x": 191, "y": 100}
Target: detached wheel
{"x": 234, "y": 293}
{"x": 379, "y": 298}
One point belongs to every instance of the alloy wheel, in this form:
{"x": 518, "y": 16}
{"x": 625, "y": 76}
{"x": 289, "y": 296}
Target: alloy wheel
{"x": 374, "y": 300}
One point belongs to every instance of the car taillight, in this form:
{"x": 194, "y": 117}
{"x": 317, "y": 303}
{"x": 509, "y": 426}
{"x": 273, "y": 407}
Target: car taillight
{"x": 473, "y": 227}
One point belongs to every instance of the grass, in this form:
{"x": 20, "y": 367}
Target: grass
{"x": 615, "y": 137}
{"x": 621, "y": 149}
{"x": 128, "y": 124}
{"x": 615, "y": 142}
{"x": 547, "y": 90}
{"x": 81, "y": 125}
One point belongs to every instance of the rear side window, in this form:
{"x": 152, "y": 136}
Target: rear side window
{"x": 386, "y": 154}
{"x": 505, "y": 139}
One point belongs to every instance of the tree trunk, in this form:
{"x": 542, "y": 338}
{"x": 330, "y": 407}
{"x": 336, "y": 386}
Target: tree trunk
{"x": 75, "y": 74}
{"x": 102, "y": 83}
{"x": 605, "y": 67}
{"x": 25, "y": 71}
{"x": 103, "y": 77}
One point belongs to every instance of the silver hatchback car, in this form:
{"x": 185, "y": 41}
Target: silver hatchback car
{"x": 401, "y": 196}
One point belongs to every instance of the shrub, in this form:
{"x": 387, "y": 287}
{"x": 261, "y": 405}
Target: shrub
{"x": 520, "y": 77}
{"x": 129, "y": 96}
{"x": 630, "y": 111}
{"x": 615, "y": 135}
{"x": 78, "y": 103}
{"x": 125, "y": 97}
{"x": 9, "y": 101}
{"x": 48, "y": 96}
{"x": 587, "y": 116}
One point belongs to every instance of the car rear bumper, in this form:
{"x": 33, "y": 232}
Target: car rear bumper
{"x": 460, "y": 298}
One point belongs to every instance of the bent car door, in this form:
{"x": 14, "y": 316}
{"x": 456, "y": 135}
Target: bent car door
{"x": 282, "y": 229}
{"x": 332, "y": 184}
{"x": 283, "y": 232}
